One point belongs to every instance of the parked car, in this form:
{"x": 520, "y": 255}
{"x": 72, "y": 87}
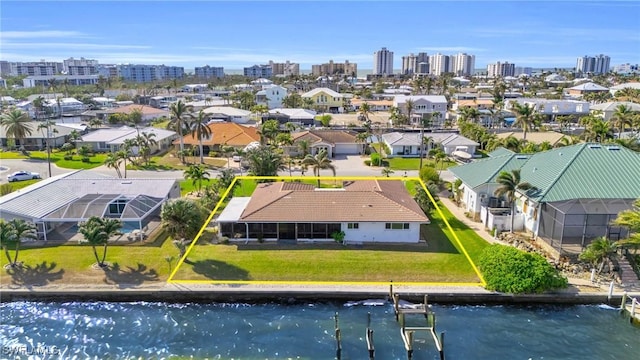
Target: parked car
{"x": 22, "y": 175}
{"x": 237, "y": 158}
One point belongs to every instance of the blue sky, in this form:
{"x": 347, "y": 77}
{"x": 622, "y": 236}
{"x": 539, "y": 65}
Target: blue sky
{"x": 243, "y": 33}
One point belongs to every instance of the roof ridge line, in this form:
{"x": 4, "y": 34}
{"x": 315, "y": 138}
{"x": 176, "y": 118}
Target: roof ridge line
{"x": 285, "y": 193}
{"x": 509, "y": 158}
{"x": 383, "y": 194}
{"x": 564, "y": 169}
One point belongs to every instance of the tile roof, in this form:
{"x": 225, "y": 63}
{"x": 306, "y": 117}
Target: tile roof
{"x": 145, "y": 109}
{"x": 228, "y": 133}
{"x": 357, "y": 201}
{"x": 324, "y": 90}
{"x": 295, "y": 113}
{"x": 226, "y": 110}
{"x": 326, "y": 136}
{"x": 536, "y": 137}
{"x": 589, "y": 87}
{"x": 611, "y": 106}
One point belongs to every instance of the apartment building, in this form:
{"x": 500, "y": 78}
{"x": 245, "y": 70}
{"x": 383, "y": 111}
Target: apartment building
{"x": 332, "y": 68}
{"x": 37, "y": 68}
{"x": 598, "y": 64}
{"x": 208, "y": 72}
{"x": 80, "y": 66}
{"x": 286, "y": 68}
{"x": 383, "y": 62}
{"x": 73, "y": 80}
{"x": 523, "y": 70}
{"x": 439, "y": 64}
{"x": 107, "y": 70}
{"x": 501, "y": 69}
{"x": 258, "y": 71}
{"x": 415, "y": 64}
{"x": 463, "y": 64}
{"x": 149, "y": 73}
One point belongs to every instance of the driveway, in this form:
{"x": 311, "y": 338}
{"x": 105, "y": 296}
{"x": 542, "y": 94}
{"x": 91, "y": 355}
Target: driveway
{"x": 10, "y": 166}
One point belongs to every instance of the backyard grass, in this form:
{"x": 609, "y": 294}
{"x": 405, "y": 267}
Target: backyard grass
{"x": 170, "y": 161}
{"x": 398, "y": 163}
{"x": 132, "y": 264}
{"x": 440, "y": 260}
{"x": 22, "y": 184}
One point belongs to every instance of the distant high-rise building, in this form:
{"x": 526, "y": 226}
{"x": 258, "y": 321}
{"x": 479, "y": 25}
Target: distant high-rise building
{"x": 383, "y": 62}
{"x": 107, "y": 70}
{"x": 331, "y": 68}
{"x": 80, "y": 66}
{"x": 501, "y": 69}
{"x": 258, "y": 71}
{"x": 5, "y": 68}
{"x": 463, "y": 64}
{"x": 598, "y": 64}
{"x": 35, "y": 68}
{"x": 208, "y": 72}
{"x": 626, "y": 68}
{"x": 286, "y": 68}
{"x": 149, "y": 73}
{"x": 439, "y": 64}
{"x": 411, "y": 63}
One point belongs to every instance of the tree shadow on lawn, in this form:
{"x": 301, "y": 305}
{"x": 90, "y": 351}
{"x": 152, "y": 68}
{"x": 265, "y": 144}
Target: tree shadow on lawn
{"x": 437, "y": 242}
{"x": 129, "y": 276}
{"x": 38, "y": 275}
{"x": 218, "y": 270}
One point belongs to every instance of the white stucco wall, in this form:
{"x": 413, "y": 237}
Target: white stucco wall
{"x": 376, "y": 232}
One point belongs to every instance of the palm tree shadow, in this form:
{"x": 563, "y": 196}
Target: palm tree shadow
{"x": 218, "y": 270}
{"x": 38, "y": 275}
{"x": 129, "y": 276}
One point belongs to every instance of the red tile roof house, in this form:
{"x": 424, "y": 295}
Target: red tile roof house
{"x": 368, "y": 211}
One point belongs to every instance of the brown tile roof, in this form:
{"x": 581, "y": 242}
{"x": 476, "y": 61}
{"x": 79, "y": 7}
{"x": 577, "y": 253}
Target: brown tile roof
{"x": 358, "y": 201}
{"x": 327, "y": 136}
{"x": 228, "y": 133}
{"x": 474, "y": 103}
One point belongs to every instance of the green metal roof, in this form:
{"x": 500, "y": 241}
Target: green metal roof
{"x": 500, "y": 152}
{"x": 486, "y": 170}
{"x": 582, "y": 171}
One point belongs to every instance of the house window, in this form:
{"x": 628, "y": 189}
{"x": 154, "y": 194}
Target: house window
{"x": 396, "y": 226}
{"x": 353, "y": 226}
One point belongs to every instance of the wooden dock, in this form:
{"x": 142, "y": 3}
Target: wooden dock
{"x": 630, "y": 307}
{"x": 407, "y": 332}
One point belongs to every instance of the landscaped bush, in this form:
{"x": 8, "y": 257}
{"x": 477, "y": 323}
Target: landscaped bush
{"x": 86, "y": 159}
{"x": 375, "y": 159}
{"x": 68, "y": 157}
{"x": 509, "y": 270}
{"x": 367, "y": 162}
{"x": 429, "y": 174}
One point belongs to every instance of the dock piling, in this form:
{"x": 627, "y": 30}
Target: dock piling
{"x": 338, "y": 339}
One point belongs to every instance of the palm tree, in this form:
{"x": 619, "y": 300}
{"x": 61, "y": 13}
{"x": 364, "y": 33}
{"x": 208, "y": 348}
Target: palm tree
{"x": 11, "y": 235}
{"x": 197, "y": 174}
{"x": 318, "y": 162}
{"x": 630, "y": 219}
{"x": 52, "y": 84}
{"x": 264, "y": 161}
{"x": 365, "y": 111}
{"x": 48, "y": 126}
{"x": 113, "y": 161}
{"x": 145, "y": 141}
{"x": 268, "y": 131}
{"x": 96, "y": 231}
{"x": 386, "y": 171}
{"x": 38, "y": 104}
{"x": 525, "y": 117}
{"x": 182, "y": 219}
{"x": 599, "y": 251}
{"x": 125, "y": 153}
{"x": 409, "y": 104}
{"x": 363, "y": 138}
{"x": 598, "y": 130}
{"x": 622, "y": 117}
{"x": 16, "y": 124}
{"x": 178, "y": 112}
{"x": 509, "y": 183}
{"x": 200, "y": 130}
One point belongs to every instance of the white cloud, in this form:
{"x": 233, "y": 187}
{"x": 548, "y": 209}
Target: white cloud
{"x": 71, "y": 46}
{"x": 41, "y": 34}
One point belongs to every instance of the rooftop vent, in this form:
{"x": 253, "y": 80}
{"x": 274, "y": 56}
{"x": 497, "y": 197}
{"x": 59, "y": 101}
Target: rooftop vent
{"x": 522, "y": 157}
{"x": 613, "y": 147}
{"x": 595, "y": 146}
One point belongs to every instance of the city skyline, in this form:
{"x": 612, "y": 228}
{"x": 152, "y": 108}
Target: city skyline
{"x": 241, "y": 34}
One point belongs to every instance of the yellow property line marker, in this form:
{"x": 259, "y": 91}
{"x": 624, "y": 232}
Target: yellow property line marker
{"x": 321, "y": 283}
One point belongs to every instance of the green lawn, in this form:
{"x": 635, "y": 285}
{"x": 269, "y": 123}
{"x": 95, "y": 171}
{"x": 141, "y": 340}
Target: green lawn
{"x": 21, "y": 184}
{"x": 57, "y": 158}
{"x": 440, "y": 260}
{"x": 399, "y": 163}
{"x": 71, "y": 264}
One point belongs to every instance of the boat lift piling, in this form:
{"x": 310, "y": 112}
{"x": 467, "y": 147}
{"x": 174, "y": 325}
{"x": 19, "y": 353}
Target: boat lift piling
{"x": 632, "y": 309}
{"x": 369, "y": 337}
{"x": 338, "y": 339}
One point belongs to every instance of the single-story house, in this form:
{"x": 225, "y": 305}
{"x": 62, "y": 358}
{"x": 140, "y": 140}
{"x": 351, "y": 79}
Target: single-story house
{"x": 228, "y": 113}
{"x": 37, "y": 140}
{"x": 408, "y": 144}
{"x": 162, "y": 101}
{"x": 585, "y": 88}
{"x": 148, "y": 113}
{"x": 222, "y": 134}
{"x": 630, "y": 85}
{"x": 56, "y": 205}
{"x": 609, "y": 108}
{"x": 579, "y": 190}
{"x": 366, "y": 211}
{"x": 334, "y": 142}
{"x": 285, "y": 115}
{"x": 112, "y": 139}
{"x": 375, "y": 105}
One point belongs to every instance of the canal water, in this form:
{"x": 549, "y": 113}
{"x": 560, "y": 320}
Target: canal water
{"x": 146, "y": 330}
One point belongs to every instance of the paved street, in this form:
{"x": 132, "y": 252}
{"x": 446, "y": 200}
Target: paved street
{"x": 350, "y": 165}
